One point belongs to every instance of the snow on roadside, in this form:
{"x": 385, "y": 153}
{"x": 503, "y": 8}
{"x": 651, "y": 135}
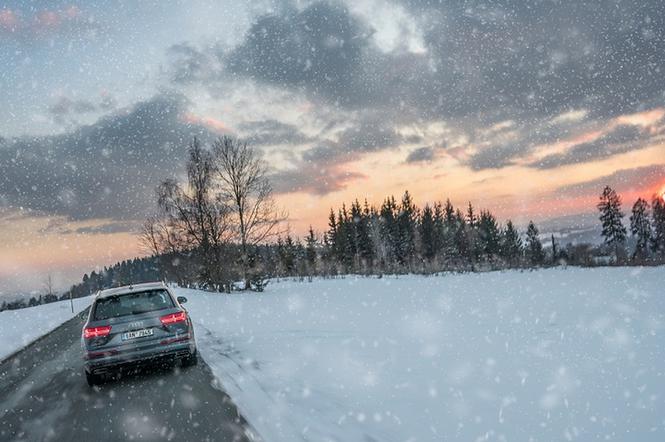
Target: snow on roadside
{"x": 574, "y": 354}
{"x": 18, "y": 328}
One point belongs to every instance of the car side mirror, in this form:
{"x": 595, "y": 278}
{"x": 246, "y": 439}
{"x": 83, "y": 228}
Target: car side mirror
{"x": 181, "y": 299}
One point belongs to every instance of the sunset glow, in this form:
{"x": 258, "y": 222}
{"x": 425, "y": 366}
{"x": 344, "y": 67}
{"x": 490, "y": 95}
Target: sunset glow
{"x": 342, "y": 104}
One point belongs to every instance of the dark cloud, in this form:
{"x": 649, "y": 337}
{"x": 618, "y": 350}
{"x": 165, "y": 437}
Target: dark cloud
{"x": 66, "y": 110}
{"x": 319, "y": 49}
{"x": 622, "y": 181}
{"x": 422, "y": 154}
{"x": 108, "y": 228}
{"x": 542, "y": 58}
{"x": 105, "y": 170}
{"x": 484, "y": 62}
{"x": 369, "y": 135}
{"x": 496, "y": 157}
{"x": 621, "y": 139}
{"x": 317, "y": 181}
{"x": 270, "y": 132}
{"x": 481, "y": 58}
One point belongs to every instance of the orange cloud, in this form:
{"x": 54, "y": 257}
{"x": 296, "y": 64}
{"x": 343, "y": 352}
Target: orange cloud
{"x": 209, "y": 122}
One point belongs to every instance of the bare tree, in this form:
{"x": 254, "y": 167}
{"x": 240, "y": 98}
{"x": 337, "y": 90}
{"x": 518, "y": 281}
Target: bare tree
{"x": 193, "y": 219}
{"x": 242, "y": 181}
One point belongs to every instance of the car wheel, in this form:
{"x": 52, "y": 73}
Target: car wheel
{"x": 190, "y": 360}
{"x": 92, "y": 379}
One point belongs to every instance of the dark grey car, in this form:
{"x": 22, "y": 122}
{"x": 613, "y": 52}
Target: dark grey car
{"x": 136, "y": 325}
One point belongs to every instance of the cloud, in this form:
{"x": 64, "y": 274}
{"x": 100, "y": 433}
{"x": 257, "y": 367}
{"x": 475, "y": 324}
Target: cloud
{"x": 105, "y": 170}
{"x": 67, "y": 111}
{"x": 319, "y": 49}
{"x": 43, "y": 24}
{"x": 271, "y": 132}
{"x": 622, "y": 138}
{"x": 478, "y": 57}
{"x": 478, "y": 64}
{"x": 317, "y": 181}
{"x": 624, "y": 180}
{"x": 422, "y": 154}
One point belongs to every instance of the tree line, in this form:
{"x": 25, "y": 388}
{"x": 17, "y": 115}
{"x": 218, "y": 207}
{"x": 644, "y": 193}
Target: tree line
{"x": 220, "y": 229}
{"x": 647, "y": 228}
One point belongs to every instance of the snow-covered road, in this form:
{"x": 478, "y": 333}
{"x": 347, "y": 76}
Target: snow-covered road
{"x": 560, "y": 354}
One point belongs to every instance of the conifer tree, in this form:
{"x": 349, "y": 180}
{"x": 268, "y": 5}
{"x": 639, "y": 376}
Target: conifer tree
{"x": 488, "y": 235}
{"x": 406, "y": 228}
{"x": 658, "y": 223}
{"x": 614, "y": 232}
{"x": 389, "y": 231}
{"x": 311, "y": 250}
{"x": 427, "y": 233}
{"x": 534, "y": 248}
{"x": 462, "y": 242}
{"x": 555, "y": 250}
{"x": 439, "y": 230}
{"x": 474, "y": 247}
{"x": 511, "y": 244}
{"x": 640, "y": 227}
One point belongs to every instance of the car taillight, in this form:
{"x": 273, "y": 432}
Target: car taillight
{"x": 173, "y": 318}
{"x": 96, "y": 332}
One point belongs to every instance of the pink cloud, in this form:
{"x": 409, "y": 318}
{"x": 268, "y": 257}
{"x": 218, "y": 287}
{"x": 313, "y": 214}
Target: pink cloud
{"x": 45, "y": 22}
{"x": 209, "y": 122}
{"x": 8, "y": 20}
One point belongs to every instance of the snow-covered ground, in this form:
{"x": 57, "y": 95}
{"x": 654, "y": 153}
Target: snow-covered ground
{"x": 19, "y": 328}
{"x": 560, "y": 354}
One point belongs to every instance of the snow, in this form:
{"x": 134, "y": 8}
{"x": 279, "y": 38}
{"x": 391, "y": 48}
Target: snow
{"x": 558, "y": 354}
{"x": 19, "y": 328}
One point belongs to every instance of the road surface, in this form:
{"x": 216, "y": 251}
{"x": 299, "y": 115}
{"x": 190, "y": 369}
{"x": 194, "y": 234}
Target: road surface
{"x": 44, "y": 396}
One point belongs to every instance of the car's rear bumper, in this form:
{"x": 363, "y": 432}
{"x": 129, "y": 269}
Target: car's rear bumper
{"x": 108, "y": 362}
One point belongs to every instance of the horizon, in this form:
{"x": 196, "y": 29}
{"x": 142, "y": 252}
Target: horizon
{"x": 527, "y": 112}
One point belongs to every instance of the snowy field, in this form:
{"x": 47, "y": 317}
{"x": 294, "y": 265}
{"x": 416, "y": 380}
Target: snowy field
{"x": 560, "y": 354}
{"x": 19, "y": 328}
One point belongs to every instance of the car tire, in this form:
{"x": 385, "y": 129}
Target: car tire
{"x": 190, "y": 360}
{"x": 92, "y": 379}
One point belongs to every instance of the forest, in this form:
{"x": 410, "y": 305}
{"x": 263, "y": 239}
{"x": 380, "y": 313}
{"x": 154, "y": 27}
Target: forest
{"x": 222, "y": 231}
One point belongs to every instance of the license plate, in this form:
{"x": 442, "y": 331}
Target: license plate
{"x": 137, "y": 334}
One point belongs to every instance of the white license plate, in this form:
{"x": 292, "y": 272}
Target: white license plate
{"x": 137, "y": 334}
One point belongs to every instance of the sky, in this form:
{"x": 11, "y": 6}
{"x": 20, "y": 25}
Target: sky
{"x": 524, "y": 108}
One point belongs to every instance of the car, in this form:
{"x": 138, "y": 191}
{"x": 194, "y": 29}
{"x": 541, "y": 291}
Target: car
{"x": 133, "y": 326}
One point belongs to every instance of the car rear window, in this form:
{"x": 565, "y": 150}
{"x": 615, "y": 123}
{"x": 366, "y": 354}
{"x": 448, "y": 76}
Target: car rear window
{"x": 132, "y": 304}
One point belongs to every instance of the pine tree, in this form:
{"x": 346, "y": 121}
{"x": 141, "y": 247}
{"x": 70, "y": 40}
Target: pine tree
{"x": 286, "y": 250}
{"x": 470, "y": 216}
{"x": 346, "y": 239}
{"x": 489, "y": 237}
{"x": 451, "y": 224}
{"x": 427, "y": 234}
{"x": 640, "y": 227}
{"x": 311, "y": 243}
{"x": 331, "y": 235}
{"x": 462, "y": 241}
{"x": 406, "y": 228}
{"x": 658, "y": 223}
{"x": 555, "y": 250}
{"x": 614, "y": 232}
{"x": 388, "y": 229}
{"x": 534, "y": 248}
{"x": 511, "y": 244}
{"x": 439, "y": 230}
{"x": 474, "y": 246}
